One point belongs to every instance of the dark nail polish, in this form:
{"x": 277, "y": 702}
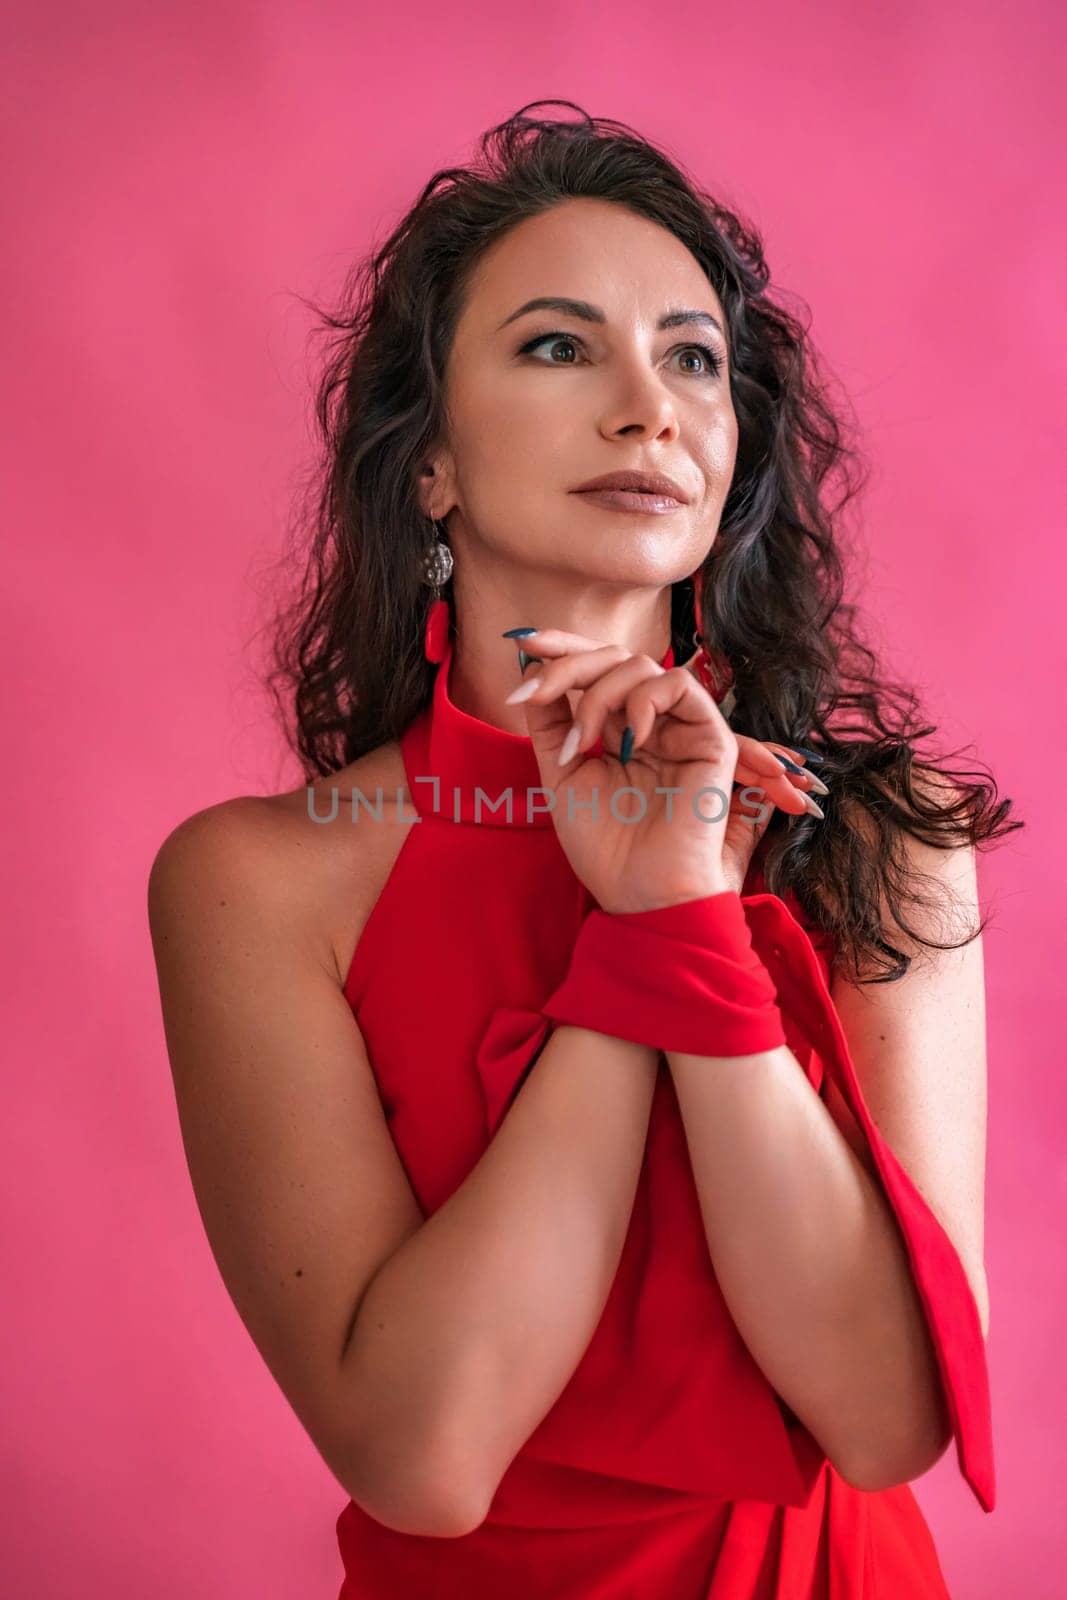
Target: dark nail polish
{"x": 518, "y": 633}
{"x": 626, "y": 744}
{"x": 524, "y": 659}
{"x": 790, "y": 766}
{"x": 812, "y": 755}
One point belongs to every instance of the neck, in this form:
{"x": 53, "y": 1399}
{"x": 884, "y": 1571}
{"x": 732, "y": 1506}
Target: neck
{"x": 449, "y": 744}
{"x": 484, "y": 665}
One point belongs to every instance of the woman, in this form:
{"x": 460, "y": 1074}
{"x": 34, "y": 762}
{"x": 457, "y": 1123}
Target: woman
{"x": 588, "y": 1124}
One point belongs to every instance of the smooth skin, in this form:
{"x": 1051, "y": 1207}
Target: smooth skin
{"x": 398, "y": 1339}
{"x": 806, "y": 1246}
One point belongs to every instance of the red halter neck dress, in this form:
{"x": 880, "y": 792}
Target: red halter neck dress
{"x": 668, "y": 1468}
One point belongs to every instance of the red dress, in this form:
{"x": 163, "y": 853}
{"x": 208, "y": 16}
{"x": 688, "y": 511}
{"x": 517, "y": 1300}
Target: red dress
{"x": 668, "y": 1468}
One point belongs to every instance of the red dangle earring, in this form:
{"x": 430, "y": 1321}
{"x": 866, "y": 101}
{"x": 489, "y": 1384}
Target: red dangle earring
{"x": 436, "y": 571}
{"x": 710, "y": 667}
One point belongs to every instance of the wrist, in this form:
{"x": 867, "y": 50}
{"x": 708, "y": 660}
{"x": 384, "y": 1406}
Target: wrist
{"x": 671, "y": 897}
{"x": 683, "y": 978}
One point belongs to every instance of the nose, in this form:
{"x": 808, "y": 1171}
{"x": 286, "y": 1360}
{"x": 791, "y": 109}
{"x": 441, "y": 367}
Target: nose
{"x": 641, "y": 403}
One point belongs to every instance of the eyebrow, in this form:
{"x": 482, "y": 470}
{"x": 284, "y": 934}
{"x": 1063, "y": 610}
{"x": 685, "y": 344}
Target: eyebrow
{"x": 590, "y": 313}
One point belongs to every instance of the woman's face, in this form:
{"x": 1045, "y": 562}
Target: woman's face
{"x": 528, "y": 422}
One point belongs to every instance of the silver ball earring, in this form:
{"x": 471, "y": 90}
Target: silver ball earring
{"x": 437, "y": 563}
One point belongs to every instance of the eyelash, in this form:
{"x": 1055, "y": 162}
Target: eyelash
{"x": 712, "y": 356}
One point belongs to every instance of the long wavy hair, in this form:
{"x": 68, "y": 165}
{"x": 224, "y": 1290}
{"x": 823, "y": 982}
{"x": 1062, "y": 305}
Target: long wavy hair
{"x": 348, "y": 672}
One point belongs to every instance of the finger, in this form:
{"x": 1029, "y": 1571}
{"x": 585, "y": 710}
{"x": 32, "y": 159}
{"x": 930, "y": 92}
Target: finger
{"x": 667, "y": 710}
{"x": 756, "y": 815}
{"x": 606, "y": 684}
{"x": 797, "y": 757}
{"x": 757, "y": 766}
{"x": 548, "y": 710}
{"x": 780, "y": 793}
{"x": 795, "y": 754}
{"x": 613, "y": 698}
{"x": 758, "y": 763}
{"x": 579, "y": 670}
{"x": 799, "y": 775}
{"x": 556, "y": 642}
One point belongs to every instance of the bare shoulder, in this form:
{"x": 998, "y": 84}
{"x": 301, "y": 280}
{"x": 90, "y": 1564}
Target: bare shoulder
{"x": 297, "y": 1178}
{"x": 297, "y": 856}
{"x": 943, "y": 880}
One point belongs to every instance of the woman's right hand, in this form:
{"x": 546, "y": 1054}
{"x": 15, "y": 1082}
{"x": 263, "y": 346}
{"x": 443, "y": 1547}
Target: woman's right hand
{"x": 685, "y": 761}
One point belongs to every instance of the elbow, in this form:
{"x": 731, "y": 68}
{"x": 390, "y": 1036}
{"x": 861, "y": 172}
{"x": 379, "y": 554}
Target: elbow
{"x": 874, "y": 1471}
{"x": 410, "y": 1475}
{"x": 428, "y": 1497}
{"x": 882, "y": 1473}
{"x": 886, "y": 1463}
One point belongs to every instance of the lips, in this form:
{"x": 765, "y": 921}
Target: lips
{"x": 652, "y": 483}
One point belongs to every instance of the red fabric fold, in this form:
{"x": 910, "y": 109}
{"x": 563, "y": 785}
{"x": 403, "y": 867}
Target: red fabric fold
{"x": 508, "y": 1049}
{"x": 726, "y": 975}
{"x": 684, "y": 977}
{"x": 700, "y": 1418}
{"x": 940, "y": 1277}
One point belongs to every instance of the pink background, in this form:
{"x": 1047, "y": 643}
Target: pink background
{"x": 174, "y": 176}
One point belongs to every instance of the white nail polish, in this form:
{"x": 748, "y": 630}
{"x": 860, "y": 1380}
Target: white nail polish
{"x": 570, "y": 745}
{"x": 523, "y": 692}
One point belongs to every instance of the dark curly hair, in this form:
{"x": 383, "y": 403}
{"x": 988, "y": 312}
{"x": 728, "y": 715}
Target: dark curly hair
{"x": 348, "y": 671}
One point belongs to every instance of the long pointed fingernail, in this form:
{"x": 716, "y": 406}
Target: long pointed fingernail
{"x": 626, "y": 745}
{"x": 518, "y": 633}
{"x": 812, "y": 755}
{"x": 569, "y": 746}
{"x": 524, "y": 660}
{"x": 809, "y": 805}
{"x": 523, "y": 692}
{"x": 791, "y": 766}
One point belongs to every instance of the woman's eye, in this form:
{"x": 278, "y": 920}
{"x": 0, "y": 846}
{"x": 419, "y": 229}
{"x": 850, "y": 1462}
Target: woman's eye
{"x": 544, "y": 338}
{"x": 713, "y": 361}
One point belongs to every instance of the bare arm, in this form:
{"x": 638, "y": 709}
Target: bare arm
{"x": 812, "y": 1266}
{"x": 804, "y": 1239}
{"x": 419, "y": 1354}
{"x": 479, "y": 1319}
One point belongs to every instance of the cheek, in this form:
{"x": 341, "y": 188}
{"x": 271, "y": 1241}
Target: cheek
{"x": 719, "y": 448}
{"x": 514, "y": 433}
